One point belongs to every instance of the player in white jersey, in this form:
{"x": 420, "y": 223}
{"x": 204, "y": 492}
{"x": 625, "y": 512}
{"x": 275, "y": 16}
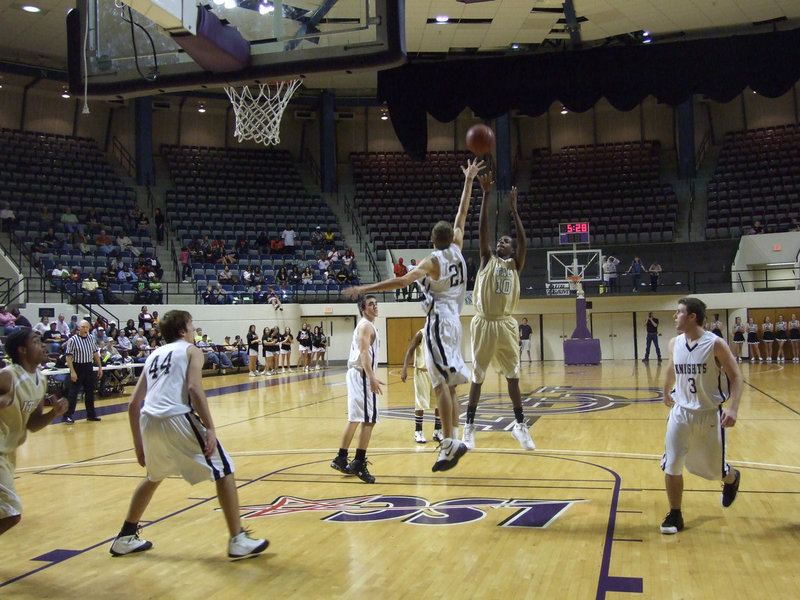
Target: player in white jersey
{"x": 442, "y": 278}
{"x": 495, "y": 333}
{"x": 173, "y": 434}
{"x": 22, "y": 389}
{"x": 701, "y": 375}
{"x": 363, "y": 388}
{"x": 423, "y": 388}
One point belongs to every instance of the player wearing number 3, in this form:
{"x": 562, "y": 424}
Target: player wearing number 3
{"x": 495, "y": 335}
{"x": 701, "y": 375}
{"x": 173, "y": 434}
{"x": 442, "y": 278}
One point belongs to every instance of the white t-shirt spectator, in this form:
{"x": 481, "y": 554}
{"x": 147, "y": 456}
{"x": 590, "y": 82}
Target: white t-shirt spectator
{"x": 288, "y": 235}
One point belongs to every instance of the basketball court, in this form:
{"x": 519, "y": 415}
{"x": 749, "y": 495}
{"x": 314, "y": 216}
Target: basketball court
{"x": 577, "y": 518}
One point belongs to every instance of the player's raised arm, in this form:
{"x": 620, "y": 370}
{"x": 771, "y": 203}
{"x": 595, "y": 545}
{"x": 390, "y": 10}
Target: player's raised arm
{"x": 483, "y": 223}
{"x": 522, "y": 239}
{"x": 470, "y": 172}
{"x": 393, "y": 283}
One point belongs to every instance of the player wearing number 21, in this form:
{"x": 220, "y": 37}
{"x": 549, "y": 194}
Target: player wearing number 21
{"x": 442, "y": 276}
{"x": 495, "y": 336}
{"x": 700, "y": 369}
{"x": 173, "y": 434}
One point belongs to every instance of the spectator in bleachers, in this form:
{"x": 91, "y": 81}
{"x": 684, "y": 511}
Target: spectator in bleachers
{"x": 208, "y": 295}
{"x": 73, "y": 324}
{"x": 295, "y": 277}
{"x": 124, "y": 344}
{"x": 145, "y": 319}
{"x": 79, "y": 241}
{"x": 92, "y": 221}
{"x": 104, "y": 243}
{"x": 112, "y": 331}
{"x": 42, "y": 326}
{"x": 126, "y": 275}
{"x": 20, "y": 320}
{"x": 795, "y": 225}
{"x": 217, "y": 359}
{"x": 139, "y": 336}
{"x": 273, "y": 298}
{"x": 636, "y": 269}
{"x": 288, "y": 236}
{"x": 655, "y": 274}
{"x": 143, "y": 224}
{"x": 53, "y": 339}
{"x": 246, "y": 276}
{"x": 140, "y": 351}
{"x": 610, "y": 274}
{"x": 154, "y": 265}
{"x": 223, "y": 297}
{"x": 349, "y": 257}
{"x": 330, "y": 238}
{"x": 259, "y": 295}
{"x": 258, "y": 276}
{"x": 46, "y": 216}
{"x": 160, "y": 222}
{"x": 262, "y": 243}
{"x": 186, "y": 268}
{"x": 226, "y": 277}
{"x": 399, "y": 271}
{"x": 104, "y": 289}
{"x": 61, "y": 325}
{"x": 100, "y": 335}
{"x": 322, "y": 262}
{"x": 7, "y": 217}
{"x": 308, "y": 276}
{"x": 317, "y": 238}
{"x": 342, "y": 276}
{"x": 154, "y": 286}
{"x": 75, "y": 276}
{"x": 237, "y": 350}
{"x": 333, "y": 255}
{"x": 282, "y": 278}
{"x": 242, "y": 247}
{"x": 51, "y": 242}
{"x": 221, "y": 254}
{"x": 756, "y": 228}
{"x": 130, "y": 329}
{"x": 70, "y": 221}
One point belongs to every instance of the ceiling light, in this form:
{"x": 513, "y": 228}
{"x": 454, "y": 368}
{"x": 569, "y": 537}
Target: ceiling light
{"x": 442, "y": 18}
{"x": 201, "y": 108}
{"x": 219, "y": 2}
{"x": 384, "y": 113}
{"x": 266, "y": 8}
{"x": 564, "y": 110}
{"x": 647, "y": 40}
{"x": 515, "y": 46}
{"x": 65, "y": 93}
{"x": 229, "y": 4}
{"x": 31, "y": 9}
{"x": 646, "y": 33}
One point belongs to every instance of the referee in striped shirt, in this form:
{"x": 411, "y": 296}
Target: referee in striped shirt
{"x": 81, "y": 352}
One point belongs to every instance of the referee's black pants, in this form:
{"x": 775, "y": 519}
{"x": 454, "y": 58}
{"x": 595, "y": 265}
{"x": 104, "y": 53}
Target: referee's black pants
{"x": 86, "y": 380}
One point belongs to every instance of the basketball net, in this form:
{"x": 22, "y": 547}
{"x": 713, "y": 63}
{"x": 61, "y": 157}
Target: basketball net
{"x": 259, "y": 118}
{"x": 575, "y": 284}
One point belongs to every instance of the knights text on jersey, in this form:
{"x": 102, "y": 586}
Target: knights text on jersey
{"x": 445, "y": 296}
{"x": 167, "y": 392}
{"x": 700, "y": 384}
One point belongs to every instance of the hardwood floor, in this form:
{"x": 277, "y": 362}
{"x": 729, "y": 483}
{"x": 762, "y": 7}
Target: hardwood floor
{"x": 577, "y": 518}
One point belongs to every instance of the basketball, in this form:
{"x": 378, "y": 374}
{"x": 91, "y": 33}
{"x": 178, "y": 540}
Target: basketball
{"x": 480, "y": 139}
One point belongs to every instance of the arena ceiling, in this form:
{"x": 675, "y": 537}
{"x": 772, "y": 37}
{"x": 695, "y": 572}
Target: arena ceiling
{"x": 477, "y": 28}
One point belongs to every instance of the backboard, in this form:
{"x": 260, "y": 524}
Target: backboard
{"x": 286, "y": 39}
{"x": 562, "y": 264}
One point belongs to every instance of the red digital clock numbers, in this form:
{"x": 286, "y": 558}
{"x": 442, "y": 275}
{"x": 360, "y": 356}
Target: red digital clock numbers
{"x": 577, "y": 227}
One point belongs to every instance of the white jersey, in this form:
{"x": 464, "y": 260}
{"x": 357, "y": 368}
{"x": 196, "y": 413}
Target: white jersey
{"x": 700, "y": 384}
{"x": 445, "y": 296}
{"x": 167, "y": 392}
{"x": 354, "y": 360}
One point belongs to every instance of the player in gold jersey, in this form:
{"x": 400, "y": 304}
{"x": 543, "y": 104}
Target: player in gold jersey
{"x": 495, "y": 333}
{"x": 22, "y": 388}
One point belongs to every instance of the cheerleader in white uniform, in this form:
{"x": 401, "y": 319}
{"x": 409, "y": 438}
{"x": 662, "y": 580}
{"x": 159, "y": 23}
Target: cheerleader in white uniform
{"x": 769, "y": 337}
{"x": 752, "y": 340}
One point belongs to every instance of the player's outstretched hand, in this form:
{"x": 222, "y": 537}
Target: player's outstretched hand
{"x": 472, "y": 168}
{"x": 375, "y": 385}
{"x": 60, "y": 406}
{"x": 487, "y": 181}
{"x": 512, "y": 204}
{"x": 353, "y": 292}
{"x": 728, "y": 417}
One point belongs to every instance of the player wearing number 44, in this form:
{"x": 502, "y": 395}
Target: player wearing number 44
{"x": 694, "y": 389}
{"x": 442, "y": 278}
{"x": 173, "y": 434}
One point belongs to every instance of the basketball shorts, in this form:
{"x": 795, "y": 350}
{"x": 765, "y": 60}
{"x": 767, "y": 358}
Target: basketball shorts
{"x": 525, "y": 345}
{"x": 494, "y": 342}
{"x": 362, "y": 403}
{"x": 174, "y": 446}
{"x": 443, "y": 351}
{"x": 695, "y": 440}
{"x": 10, "y": 503}
{"x": 423, "y": 390}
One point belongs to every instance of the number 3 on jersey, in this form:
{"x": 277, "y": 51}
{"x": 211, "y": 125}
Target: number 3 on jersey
{"x": 155, "y": 369}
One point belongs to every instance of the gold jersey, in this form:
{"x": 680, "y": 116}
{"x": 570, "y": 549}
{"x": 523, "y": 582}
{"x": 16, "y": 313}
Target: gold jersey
{"x": 28, "y": 390}
{"x": 497, "y": 287}
{"x": 419, "y": 354}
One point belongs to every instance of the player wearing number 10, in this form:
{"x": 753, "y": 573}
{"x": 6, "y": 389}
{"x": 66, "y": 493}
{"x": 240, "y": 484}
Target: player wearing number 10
{"x": 173, "y": 434}
{"x": 442, "y": 278}
{"x": 495, "y": 335}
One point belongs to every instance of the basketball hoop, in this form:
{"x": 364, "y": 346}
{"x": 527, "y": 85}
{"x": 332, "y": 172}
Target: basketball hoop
{"x": 575, "y": 284}
{"x": 259, "y": 118}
